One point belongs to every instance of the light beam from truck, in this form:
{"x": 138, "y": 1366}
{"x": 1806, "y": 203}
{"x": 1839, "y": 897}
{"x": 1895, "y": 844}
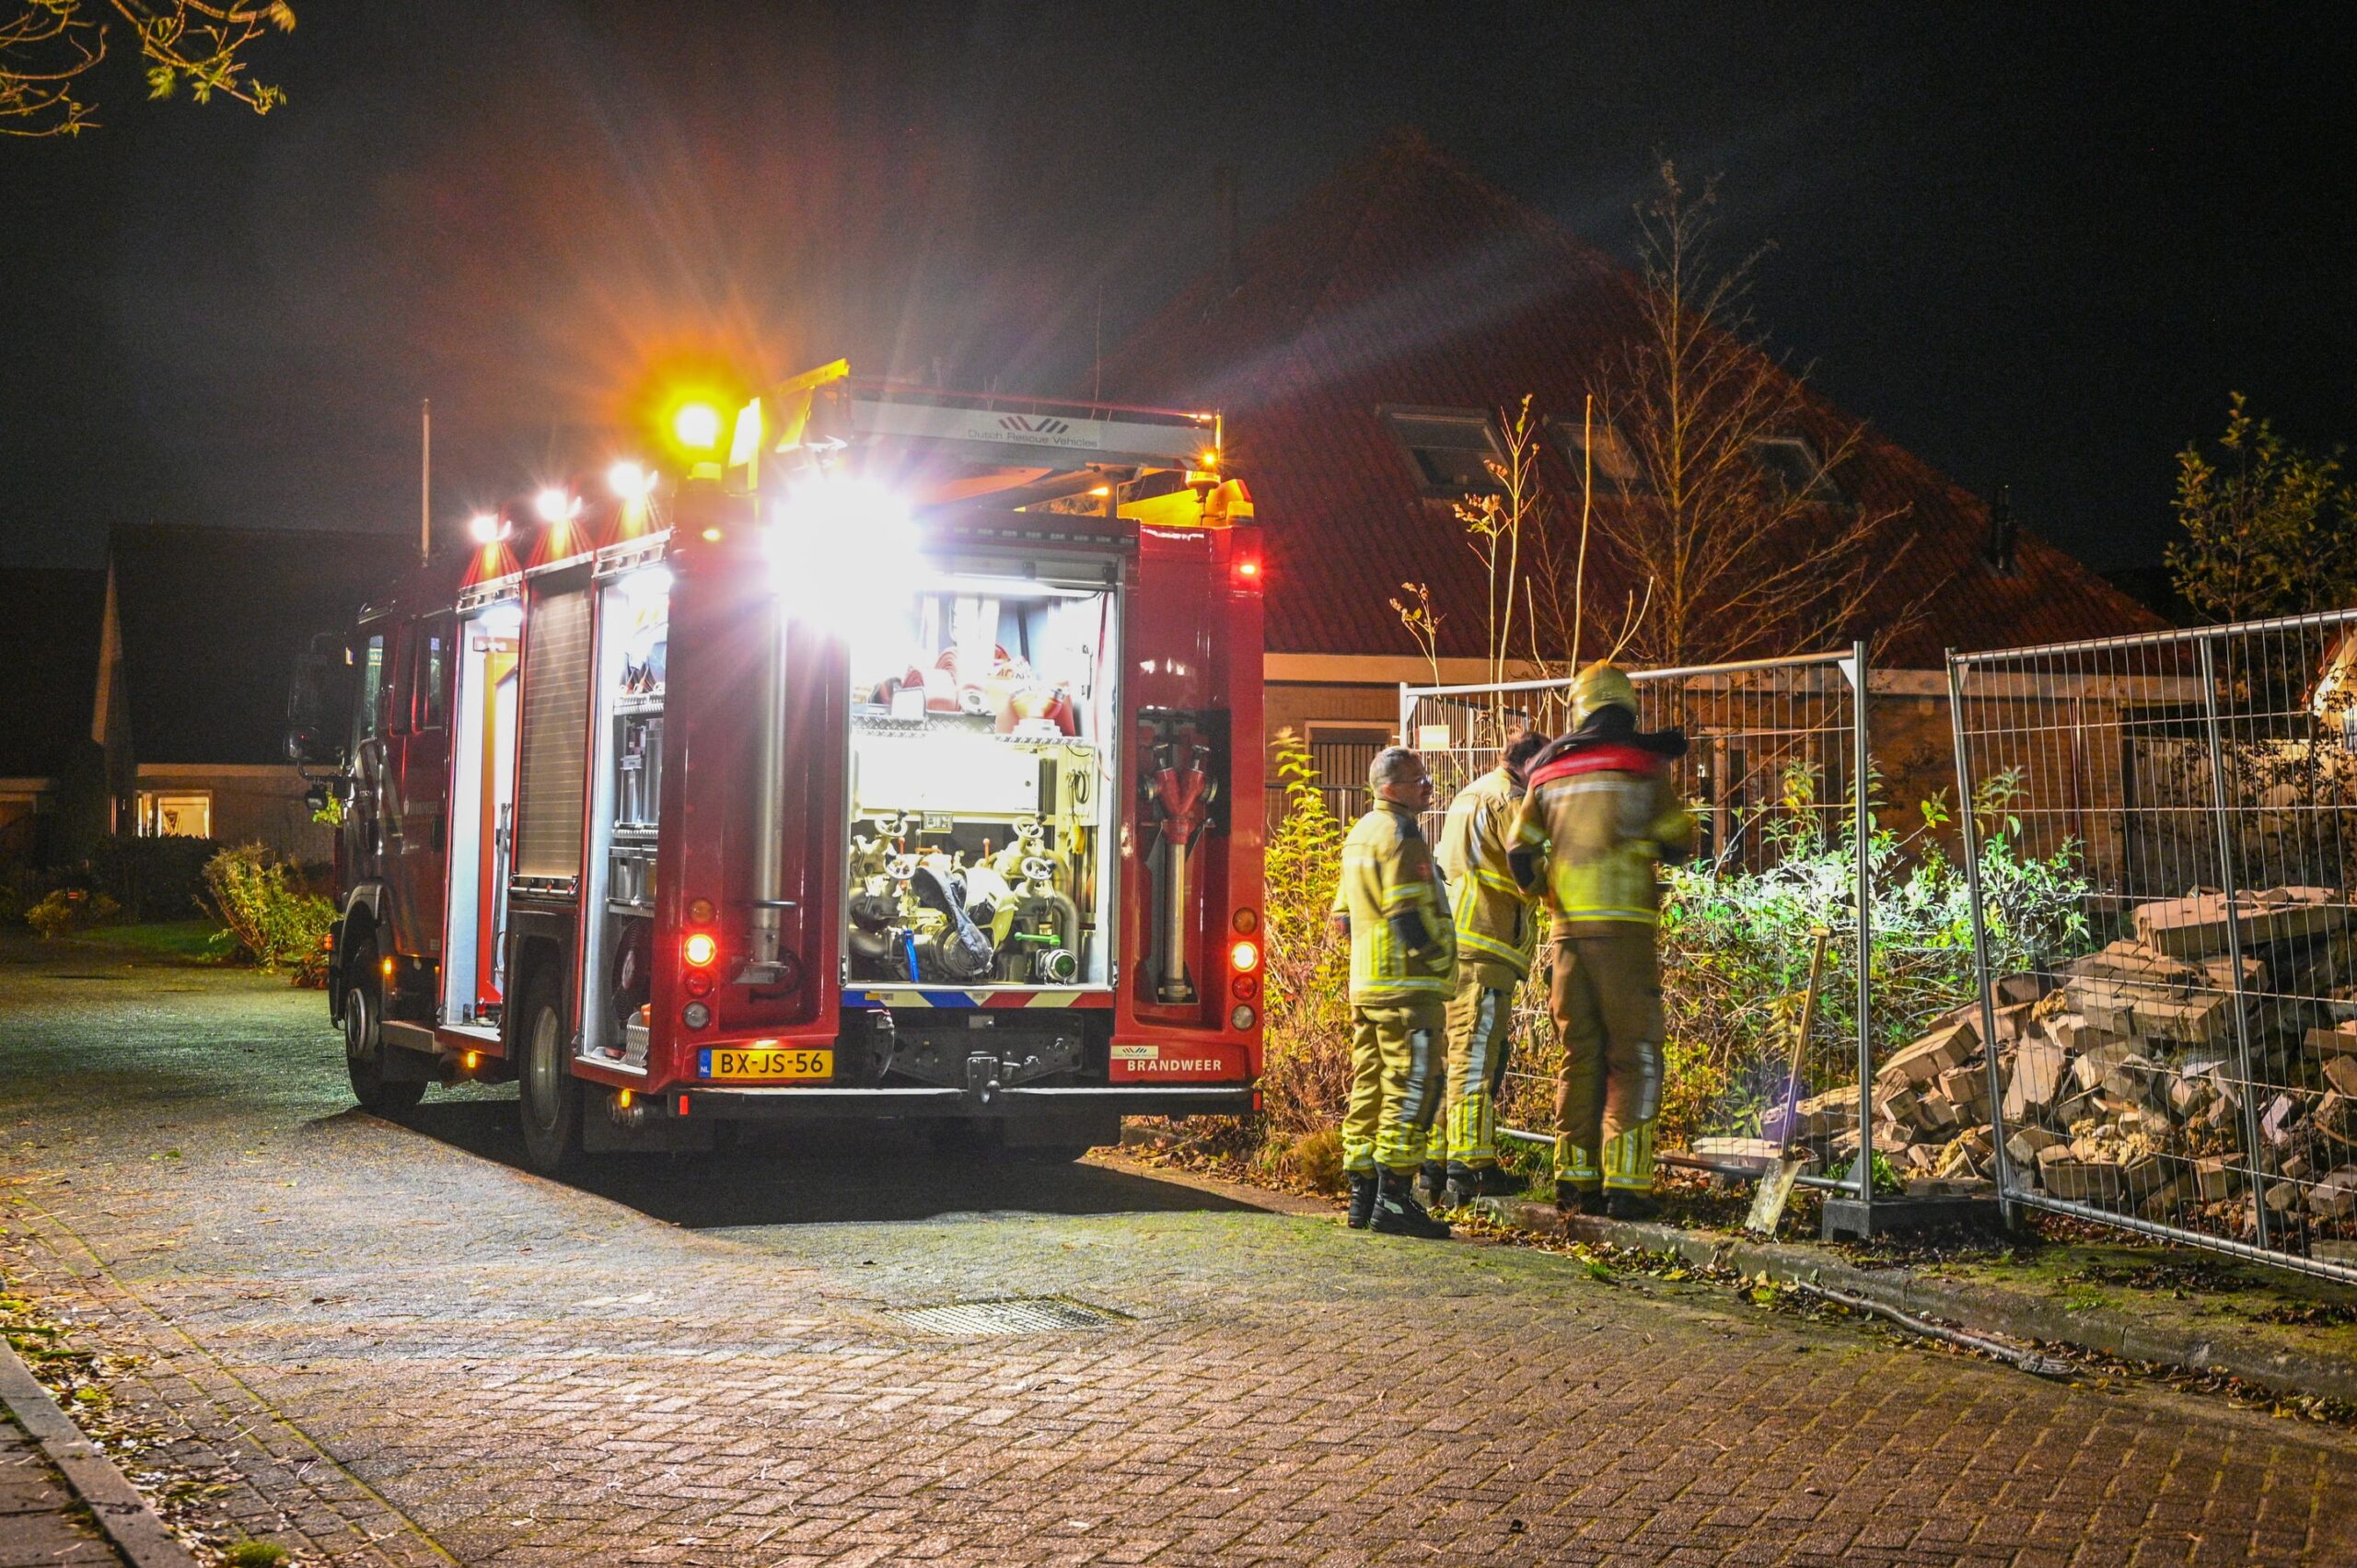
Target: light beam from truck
{"x": 842, "y": 551}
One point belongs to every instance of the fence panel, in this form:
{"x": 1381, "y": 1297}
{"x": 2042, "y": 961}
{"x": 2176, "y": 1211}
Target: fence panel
{"x": 1775, "y": 749}
{"x": 2189, "y": 1066}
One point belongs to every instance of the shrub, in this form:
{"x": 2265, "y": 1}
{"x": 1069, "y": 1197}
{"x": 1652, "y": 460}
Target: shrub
{"x": 1306, "y": 1071}
{"x": 275, "y": 919}
{"x": 69, "y": 909}
{"x": 160, "y": 878}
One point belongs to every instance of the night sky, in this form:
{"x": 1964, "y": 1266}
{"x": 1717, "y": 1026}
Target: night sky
{"x": 2037, "y": 250}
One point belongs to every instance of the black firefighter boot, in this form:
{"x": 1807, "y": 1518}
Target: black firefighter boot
{"x": 1574, "y": 1199}
{"x": 1432, "y": 1184}
{"x": 1466, "y": 1182}
{"x": 1361, "y": 1200}
{"x": 1624, "y": 1204}
{"x": 1396, "y": 1212}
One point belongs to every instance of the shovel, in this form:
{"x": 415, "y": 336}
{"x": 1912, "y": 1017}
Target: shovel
{"x": 1775, "y": 1187}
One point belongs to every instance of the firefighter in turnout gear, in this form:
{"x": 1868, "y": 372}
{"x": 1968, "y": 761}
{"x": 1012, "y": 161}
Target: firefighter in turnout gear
{"x": 1497, "y": 932}
{"x": 1403, "y": 966}
{"x": 1601, "y": 813}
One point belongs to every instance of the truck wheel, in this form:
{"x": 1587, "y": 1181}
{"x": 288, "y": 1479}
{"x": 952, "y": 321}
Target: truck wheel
{"x": 548, "y": 1097}
{"x": 363, "y": 1038}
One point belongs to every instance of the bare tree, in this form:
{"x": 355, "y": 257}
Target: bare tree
{"x": 1727, "y": 511}
{"x": 48, "y": 49}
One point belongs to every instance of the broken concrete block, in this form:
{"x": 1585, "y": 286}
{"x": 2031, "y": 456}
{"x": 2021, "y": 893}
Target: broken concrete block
{"x": 2335, "y": 1197}
{"x": 2204, "y": 925}
{"x": 2196, "y": 1020}
{"x": 2340, "y": 1072}
{"x": 2066, "y": 1029}
{"x": 1965, "y": 1089}
{"x": 2339, "y": 1040}
{"x": 2275, "y": 1123}
{"x": 1930, "y": 1056}
{"x": 2162, "y": 1202}
{"x": 2084, "y": 1181}
{"x": 2024, "y": 1146}
{"x": 2015, "y": 989}
{"x": 2088, "y": 1068}
{"x": 2211, "y": 1180}
{"x": 2037, "y": 1069}
{"x": 2140, "y": 1174}
{"x": 2131, "y": 1078}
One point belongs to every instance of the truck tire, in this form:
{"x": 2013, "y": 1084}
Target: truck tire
{"x": 363, "y": 1038}
{"x": 548, "y": 1097}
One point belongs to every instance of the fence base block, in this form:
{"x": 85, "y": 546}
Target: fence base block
{"x": 1846, "y": 1219}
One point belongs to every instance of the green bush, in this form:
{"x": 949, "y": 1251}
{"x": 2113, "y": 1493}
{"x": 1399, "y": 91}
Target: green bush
{"x": 1305, "y": 1068}
{"x": 160, "y": 878}
{"x": 275, "y": 919}
{"x": 68, "y": 910}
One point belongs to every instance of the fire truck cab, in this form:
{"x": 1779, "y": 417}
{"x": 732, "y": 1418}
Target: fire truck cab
{"x": 899, "y": 760}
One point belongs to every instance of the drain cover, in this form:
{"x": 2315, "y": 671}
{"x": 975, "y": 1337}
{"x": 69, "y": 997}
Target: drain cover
{"x": 1018, "y": 1315}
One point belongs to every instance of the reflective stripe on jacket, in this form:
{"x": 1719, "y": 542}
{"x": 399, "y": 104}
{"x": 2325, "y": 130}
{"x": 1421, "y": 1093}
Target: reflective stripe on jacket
{"x": 1604, "y": 813}
{"x": 1387, "y": 882}
{"x": 1496, "y": 931}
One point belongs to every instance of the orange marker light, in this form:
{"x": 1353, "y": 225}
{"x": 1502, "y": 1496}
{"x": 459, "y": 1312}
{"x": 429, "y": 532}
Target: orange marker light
{"x": 1243, "y": 957}
{"x": 700, "y": 949}
{"x": 386, "y": 969}
{"x": 622, "y": 1098}
{"x": 474, "y": 1059}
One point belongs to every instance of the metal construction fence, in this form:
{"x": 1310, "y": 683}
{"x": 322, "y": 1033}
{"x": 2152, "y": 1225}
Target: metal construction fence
{"x": 2187, "y": 802}
{"x": 1776, "y": 751}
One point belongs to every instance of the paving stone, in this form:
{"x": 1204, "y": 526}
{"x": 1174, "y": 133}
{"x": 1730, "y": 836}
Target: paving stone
{"x": 406, "y": 1346}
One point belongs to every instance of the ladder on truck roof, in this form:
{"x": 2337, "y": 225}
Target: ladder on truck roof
{"x": 1015, "y": 450}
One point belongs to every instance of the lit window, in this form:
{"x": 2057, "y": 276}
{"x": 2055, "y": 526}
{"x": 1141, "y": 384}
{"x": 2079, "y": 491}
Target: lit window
{"x": 1793, "y": 464}
{"x": 175, "y": 814}
{"x": 1616, "y": 472}
{"x": 1450, "y": 451}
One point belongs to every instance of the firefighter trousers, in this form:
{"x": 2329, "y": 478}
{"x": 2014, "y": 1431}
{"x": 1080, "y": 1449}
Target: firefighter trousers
{"x": 1480, "y": 1016}
{"x": 1395, "y": 1083}
{"x": 1606, "y": 997}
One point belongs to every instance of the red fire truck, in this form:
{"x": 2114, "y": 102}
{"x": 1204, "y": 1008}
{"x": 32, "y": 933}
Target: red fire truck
{"x": 901, "y": 759}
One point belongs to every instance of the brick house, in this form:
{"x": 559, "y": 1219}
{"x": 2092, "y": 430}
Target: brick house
{"x": 1360, "y": 349}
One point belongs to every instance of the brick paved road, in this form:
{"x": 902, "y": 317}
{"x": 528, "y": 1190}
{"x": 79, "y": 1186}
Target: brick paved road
{"x": 413, "y": 1352}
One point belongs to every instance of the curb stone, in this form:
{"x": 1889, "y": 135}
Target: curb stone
{"x": 2017, "y": 1314}
{"x": 134, "y": 1528}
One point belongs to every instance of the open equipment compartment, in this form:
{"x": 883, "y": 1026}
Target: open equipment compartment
{"x": 482, "y": 813}
{"x": 633, "y": 608}
{"x": 984, "y": 788}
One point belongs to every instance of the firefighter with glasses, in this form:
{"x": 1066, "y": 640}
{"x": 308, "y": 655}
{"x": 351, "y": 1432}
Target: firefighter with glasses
{"x": 1600, "y": 816}
{"x": 1497, "y": 932}
{"x": 1403, "y": 968}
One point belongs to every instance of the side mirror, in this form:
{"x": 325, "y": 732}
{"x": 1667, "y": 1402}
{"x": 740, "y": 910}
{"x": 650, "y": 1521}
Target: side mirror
{"x": 316, "y": 704}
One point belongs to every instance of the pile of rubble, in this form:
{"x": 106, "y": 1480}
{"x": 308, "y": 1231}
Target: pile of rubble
{"x": 2118, "y": 1070}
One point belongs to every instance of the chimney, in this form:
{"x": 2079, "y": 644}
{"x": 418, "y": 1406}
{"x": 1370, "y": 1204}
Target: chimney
{"x": 1231, "y": 255}
{"x": 2002, "y": 533}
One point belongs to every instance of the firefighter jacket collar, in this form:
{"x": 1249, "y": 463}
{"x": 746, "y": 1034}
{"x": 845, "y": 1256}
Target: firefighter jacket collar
{"x": 1609, "y": 741}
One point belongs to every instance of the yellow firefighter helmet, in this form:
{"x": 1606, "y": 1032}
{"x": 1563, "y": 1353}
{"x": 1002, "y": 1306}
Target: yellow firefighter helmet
{"x": 1601, "y": 685}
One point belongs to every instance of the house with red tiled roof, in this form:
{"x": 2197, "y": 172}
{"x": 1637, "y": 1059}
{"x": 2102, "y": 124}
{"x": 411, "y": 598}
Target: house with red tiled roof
{"x": 1361, "y": 351}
